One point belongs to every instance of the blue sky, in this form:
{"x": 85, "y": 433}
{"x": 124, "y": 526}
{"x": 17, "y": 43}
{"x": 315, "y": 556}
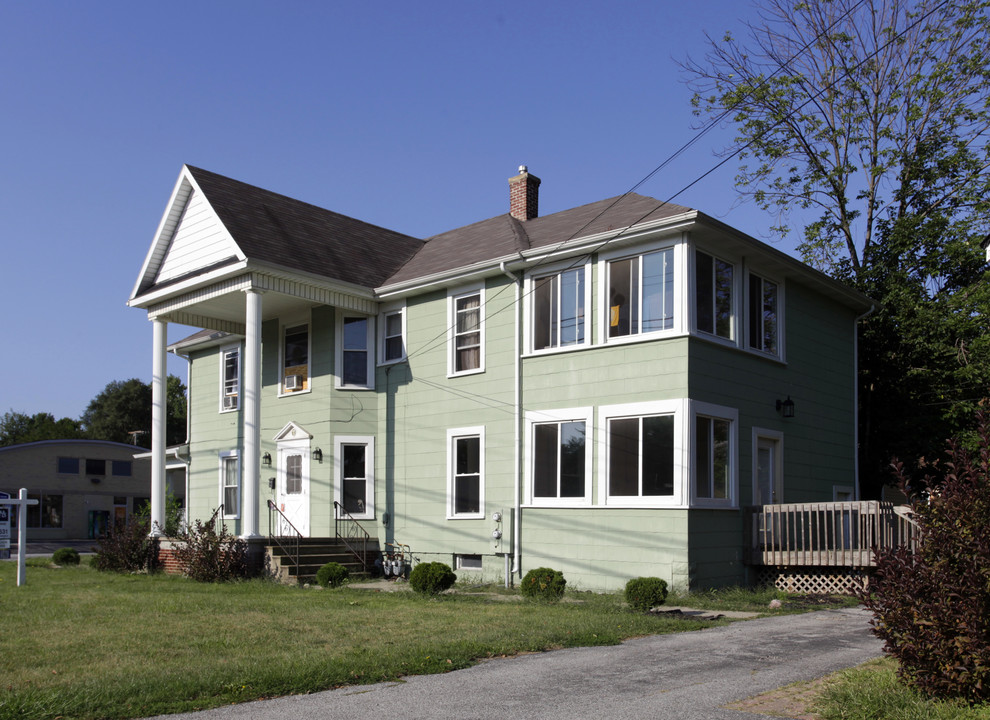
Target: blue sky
{"x": 408, "y": 115}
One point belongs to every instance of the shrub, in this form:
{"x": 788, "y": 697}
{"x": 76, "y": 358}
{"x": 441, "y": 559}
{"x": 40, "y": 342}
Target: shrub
{"x": 431, "y": 578}
{"x": 173, "y": 515}
{"x": 644, "y": 593}
{"x": 211, "y": 556}
{"x": 931, "y": 606}
{"x": 128, "y": 549}
{"x": 332, "y": 575}
{"x": 543, "y": 584}
{"x": 66, "y": 556}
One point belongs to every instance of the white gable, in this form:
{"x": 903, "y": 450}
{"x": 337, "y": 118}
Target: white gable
{"x": 293, "y": 431}
{"x": 199, "y": 240}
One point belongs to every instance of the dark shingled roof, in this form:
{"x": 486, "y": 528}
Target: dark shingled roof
{"x": 276, "y": 229}
{"x": 504, "y": 235}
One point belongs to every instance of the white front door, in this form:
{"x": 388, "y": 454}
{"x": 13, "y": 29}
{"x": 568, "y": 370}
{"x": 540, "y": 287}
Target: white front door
{"x": 293, "y": 484}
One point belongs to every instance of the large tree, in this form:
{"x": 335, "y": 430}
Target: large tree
{"x": 122, "y": 412}
{"x": 870, "y": 120}
{"x": 17, "y": 427}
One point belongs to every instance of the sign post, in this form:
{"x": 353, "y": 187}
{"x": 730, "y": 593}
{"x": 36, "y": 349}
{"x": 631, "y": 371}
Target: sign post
{"x": 21, "y": 504}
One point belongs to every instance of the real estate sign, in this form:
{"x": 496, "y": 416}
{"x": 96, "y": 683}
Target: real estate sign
{"x": 4, "y": 527}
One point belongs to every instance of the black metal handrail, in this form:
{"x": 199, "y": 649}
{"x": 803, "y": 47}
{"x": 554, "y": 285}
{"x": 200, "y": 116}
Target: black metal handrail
{"x": 288, "y": 542}
{"x": 343, "y": 519}
{"x": 216, "y": 519}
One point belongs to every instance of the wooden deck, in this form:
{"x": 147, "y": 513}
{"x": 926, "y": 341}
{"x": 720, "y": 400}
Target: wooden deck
{"x": 836, "y": 534}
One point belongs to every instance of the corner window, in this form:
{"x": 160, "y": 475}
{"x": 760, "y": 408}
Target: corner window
{"x": 641, "y": 457}
{"x": 714, "y": 456}
{"x": 763, "y": 315}
{"x": 465, "y": 471}
{"x": 393, "y": 334}
{"x": 467, "y": 332}
{"x": 558, "y": 457}
{"x": 355, "y": 339}
{"x": 354, "y": 475}
{"x": 295, "y": 358}
{"x": 558, "y": 310}
{"x": 641, "y": 294}
{"x": 713, "y": 295}
{"x": 230, "y": 485}
{"x": 230, "y": 379}
{"x": 68, "y": 466}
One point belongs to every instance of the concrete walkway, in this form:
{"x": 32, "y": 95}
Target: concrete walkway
{"x": 687, "y": 676}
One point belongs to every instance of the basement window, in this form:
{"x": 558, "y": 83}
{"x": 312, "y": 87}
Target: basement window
{"x": 467, "y": 562}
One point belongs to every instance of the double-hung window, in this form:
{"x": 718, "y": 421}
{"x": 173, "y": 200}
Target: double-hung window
{"x": 465, "y": 473}
{"x": 764, "y": 314}
{"x": 355, "y": 358}
{"x": 231, "y": 378}
{"x": 640, "y": 294}
{"x": 560, "y": 456}
{"x": 392, "y": 342}
{"x": 467, "y": 332}
{"x": 713, "y": 295}
{"x": 558, "y": 304}
{"x": 295, "y": 358}
{"x": 230, "y": 485}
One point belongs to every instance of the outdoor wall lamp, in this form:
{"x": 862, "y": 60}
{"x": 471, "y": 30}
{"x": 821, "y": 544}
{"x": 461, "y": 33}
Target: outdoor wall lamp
{"x": 266, "y": 459}
{"x": 318, "y": 455}
{"x": 786, "y": 407}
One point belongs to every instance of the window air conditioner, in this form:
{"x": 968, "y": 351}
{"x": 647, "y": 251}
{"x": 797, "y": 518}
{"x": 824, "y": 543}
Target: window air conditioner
{"x": 230, "y": 402}
{"x": 293, "y": 382}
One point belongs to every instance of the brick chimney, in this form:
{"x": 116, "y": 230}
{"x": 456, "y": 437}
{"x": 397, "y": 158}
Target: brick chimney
{"x": 524, "y": 195}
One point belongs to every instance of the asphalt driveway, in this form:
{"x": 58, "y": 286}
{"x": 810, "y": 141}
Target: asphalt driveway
{"x": 687, "y": 676}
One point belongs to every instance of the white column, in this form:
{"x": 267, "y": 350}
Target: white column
{"x": 251, "y": 462}
{"x": 158, "y": 387}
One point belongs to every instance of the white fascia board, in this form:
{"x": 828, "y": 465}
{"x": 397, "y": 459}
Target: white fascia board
{"x": 192, "y": 283}
{"x": 314, "y": 279}
{"x": 523, "y": 259}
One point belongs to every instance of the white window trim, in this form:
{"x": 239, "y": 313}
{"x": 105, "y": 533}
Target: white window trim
{"x": 369, "y": 343}
{"x": 452, "y": 434}
{"x": 387, "y": 310}
{"x": 223, "y": 376}
{"x": 718, "y": 412}
{"x": 682, "y": 452}
{"x": 537, "y": 417}
{"x": 369, "y": 462}
{"x": 738, "y": 298}
{"x": 530, "y": 286}
{"x": 283, "y": 326}
{"x": 778, "y": 438}
{"x": 781, "y": 293}
{"x": 678, "y": 244}
{"x": 452, "y": 297}
{"x": 240, "y": 484}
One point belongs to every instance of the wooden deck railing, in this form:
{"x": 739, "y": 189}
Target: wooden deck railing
{"x": 837, "y": 534}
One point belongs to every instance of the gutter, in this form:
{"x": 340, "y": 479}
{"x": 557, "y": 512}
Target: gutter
{"x": 517, "y": 419}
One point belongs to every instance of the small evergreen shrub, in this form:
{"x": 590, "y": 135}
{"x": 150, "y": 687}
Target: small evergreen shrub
{"x": 66, "y": 556}
{"x": 128, "y": 549}
{"x": 643, "y": 593}
{"x": 332, "y": 575}
{"x": 931, "y": 606}
{"x": 431, "y": 578}
{"x": 211, "y": 556}
{"x": 544, "y": 584}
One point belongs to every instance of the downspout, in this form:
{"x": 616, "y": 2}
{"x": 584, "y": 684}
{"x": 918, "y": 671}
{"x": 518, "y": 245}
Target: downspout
{"x": 516, "y": 416}
{"x": 856, "y": 322}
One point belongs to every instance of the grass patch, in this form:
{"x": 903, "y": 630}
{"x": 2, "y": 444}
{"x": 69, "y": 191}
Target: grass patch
{"x": 757, "y": 600}
{"x": 873, "y": 692}
{"x": 83, "y": 644}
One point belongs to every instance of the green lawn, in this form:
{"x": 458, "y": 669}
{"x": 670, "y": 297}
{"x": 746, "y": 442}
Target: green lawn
{"x": 75, "y": 643}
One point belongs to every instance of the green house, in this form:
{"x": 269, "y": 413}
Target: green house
{"x": 601, "y": 390}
